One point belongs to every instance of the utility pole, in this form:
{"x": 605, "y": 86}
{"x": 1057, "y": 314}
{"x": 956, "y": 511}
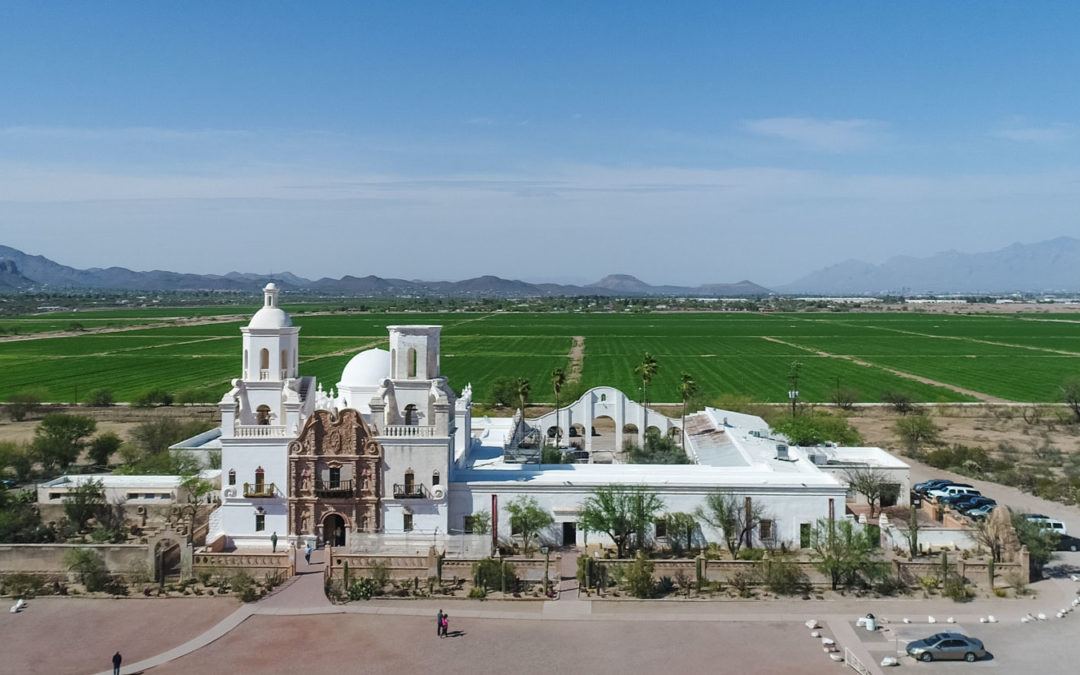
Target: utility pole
{"x": 793, "y": 392}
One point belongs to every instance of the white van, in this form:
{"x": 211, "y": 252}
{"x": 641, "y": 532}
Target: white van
{"x": 1048, "y": 523}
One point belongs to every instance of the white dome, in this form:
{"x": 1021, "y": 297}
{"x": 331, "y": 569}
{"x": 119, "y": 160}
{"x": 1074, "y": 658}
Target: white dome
{"x": 270, "y": 317}
{"x": 367, "y": 369}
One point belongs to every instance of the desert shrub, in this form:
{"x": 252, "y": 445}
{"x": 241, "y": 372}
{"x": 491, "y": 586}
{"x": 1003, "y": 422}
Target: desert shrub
{"x": 89, "y": 566}
{"x": 363, "y": 588}
{"x": 477, "y": 593}
{"x": 929, "y": 583}
{"x": 665, "y": 586}
{"x": 639, "y": 577}
{"x": 784, "y": 577}
{"x": 22, "y": 585}
{"x": 243, "y": 584}
{"x": 594, "y": 570}
{"x": 890, "y": 585}
{"x": 153, "y": 398}
{"x": 751, "y": 554}
{"x": 101, "y": 398}
{"x": 816, "y": 427}
{"x": 743, "y": 581}
{"x": 380, "y": 574}
{"x": 486, "y": 574}
{"x": 23, "y": 404}
{"x": 955, "y": 588}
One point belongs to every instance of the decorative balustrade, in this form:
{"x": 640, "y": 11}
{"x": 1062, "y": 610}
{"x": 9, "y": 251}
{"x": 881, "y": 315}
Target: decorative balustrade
{"x": 341, "y": 488}
{"x": 414, "y": 491}
{"x": 407, "y": 431}
{"x": 252, "y": 490}
{"x": 259, "y": 431}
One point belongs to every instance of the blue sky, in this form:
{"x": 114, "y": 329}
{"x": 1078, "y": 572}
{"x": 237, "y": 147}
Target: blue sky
{"x": 680, "y": 142}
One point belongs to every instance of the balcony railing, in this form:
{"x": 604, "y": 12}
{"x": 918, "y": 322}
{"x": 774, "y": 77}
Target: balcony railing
{"x": 259, "y": 430}
{"x": 259, "y": 490}
{"x": 408, "y": 431}
{"x": 268, "y": 374}
{"x": 415, "y": 491}
{"x": 341, "y": 488}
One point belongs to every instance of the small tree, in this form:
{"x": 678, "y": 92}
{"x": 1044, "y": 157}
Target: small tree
{"x": 23, "y": 404}
{"x": 1070, "y": 394}
{"x": 680, "y": 531}
{"x": 993, "y": 532}
{"x": 89, "y": 566}
{"x": 528, "y": 519}
{"x": 869, "y": 483}
{"x": 916, "y": 431}
{"x": 18, "y": 457}
{"x": 60, "y": 439}
{"x": 481, "y": 522}
{"x": 842, "y": 551}
{"x": 503, "y": 391}
{"x": 101, "y": 398}
{"x": 639, "y": 577}
{"x": 620, "y": 512}
{"x": 83, "y": 502}
{"x": 102, "y": 448}
{"x": 730, "y": 514}
{"x": 844, "y": 397}
{"x": 901, "y": 403}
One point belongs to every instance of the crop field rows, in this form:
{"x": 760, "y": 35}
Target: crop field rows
{"x": 1010, "y": 357}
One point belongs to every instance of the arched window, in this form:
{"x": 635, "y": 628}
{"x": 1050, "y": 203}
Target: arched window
{"x": 232, "y": 476}
{"x": 603, "y": 397}
{"x": 260, "y": 479}
{"x": 410, "y": 415}
{"x": 284, "y": 359}
{"x": 262, "y": 415}
{"x": 435, "y": 477}
{"x": 410, "y": 481}
{"x": 245, "y": 362}
{"x": 264, "y": 359}
{"x": 411, "y": 357}
{"x": 393, "y": 363}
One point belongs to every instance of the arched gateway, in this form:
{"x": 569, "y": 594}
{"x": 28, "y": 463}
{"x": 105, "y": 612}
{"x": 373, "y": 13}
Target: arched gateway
{"x": 335, "y": 471}
{"x": 590, "y": 418}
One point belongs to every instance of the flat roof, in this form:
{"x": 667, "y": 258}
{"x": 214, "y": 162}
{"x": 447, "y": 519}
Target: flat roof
{"x": 112, "y": 480}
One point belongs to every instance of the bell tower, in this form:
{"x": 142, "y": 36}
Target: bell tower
{"x": 270, "y": 342}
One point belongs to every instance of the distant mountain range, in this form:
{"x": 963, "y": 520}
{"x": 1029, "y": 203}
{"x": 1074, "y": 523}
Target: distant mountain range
{"x": 1047, "y": 266}
{"x": 20, "y": 272}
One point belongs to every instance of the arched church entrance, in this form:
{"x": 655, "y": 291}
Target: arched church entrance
{"x": 167, "y": 560}
{"x": 334, "y": 529}
{"x": 604, "y": 436}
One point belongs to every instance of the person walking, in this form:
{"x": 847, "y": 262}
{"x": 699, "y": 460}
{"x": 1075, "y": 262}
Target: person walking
{"x": 438, "y": 625}
{"x": 307, "y": 554}
{"x": 273, "y": 541}
{"x": 116, "y": 659}
{"x": 445, "y": 624}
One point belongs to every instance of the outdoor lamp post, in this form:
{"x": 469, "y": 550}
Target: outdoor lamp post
{"x": 547, "y": 561}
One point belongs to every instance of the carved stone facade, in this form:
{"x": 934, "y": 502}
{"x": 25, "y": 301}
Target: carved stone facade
{"x": 335, "y": 469}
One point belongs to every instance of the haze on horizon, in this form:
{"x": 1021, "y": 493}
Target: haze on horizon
{"x": 551, "y": 142}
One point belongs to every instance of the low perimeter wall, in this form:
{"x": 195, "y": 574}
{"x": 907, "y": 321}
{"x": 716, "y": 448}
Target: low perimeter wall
{"x": 417, "y": 566}
{"x": 258, "y": 565}
{"x": 48, "y": 559}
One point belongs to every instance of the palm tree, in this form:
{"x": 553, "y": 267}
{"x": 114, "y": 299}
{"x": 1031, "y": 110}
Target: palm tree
{"x": 687, "y": 388}
{"x": 647, "y": 369}
{"x": 522, "y": 387}
{"x": 558, "y": 379}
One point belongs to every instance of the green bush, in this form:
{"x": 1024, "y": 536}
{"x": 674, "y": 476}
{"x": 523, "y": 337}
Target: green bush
{"x": 243, "y": 584}
{"x": 743, "y": 581}
{"x": 363, "y": 589}
{"x": 22, "y": 585}
{"x": 380, "y": 574}
{"x": 90, "y": 568}
{"x": 477, "y": 593}
{"x": 751, "y": 553}
{"x": 639, "y": 577}
{"x": 955, "y": 588}
{"x": 486, "y": 574}
{"x": 101, "y": 398}
{"x": 784, "y": 577}
{"x": 666, "y": 586}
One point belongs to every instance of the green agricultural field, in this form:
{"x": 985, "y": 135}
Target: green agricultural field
{"x": 1012, "y": 357}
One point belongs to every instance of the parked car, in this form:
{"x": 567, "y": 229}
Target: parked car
{"x": 1047, "y": 522}
{"x": 983, "y": 504}
{"x": 8, "y": 483}
{"x": 927, "y": 485}
{"x": 980, "y": 512}
{"x": 952, "y": 490}
{"x": 1068, "y": 543}
{"x": 964, "y": 502}
{"x": 947, "y": 646}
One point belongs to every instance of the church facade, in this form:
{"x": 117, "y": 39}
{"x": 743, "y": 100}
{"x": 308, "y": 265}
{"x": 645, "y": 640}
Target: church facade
{"x": 394, "y": 457}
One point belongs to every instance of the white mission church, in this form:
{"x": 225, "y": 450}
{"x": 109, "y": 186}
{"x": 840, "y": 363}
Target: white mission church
{"x": 396, "y": 458}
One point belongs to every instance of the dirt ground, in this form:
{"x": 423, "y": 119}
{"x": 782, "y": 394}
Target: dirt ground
{"x": 117, "y": 419}
{"x": 69, "y": 635}
{"x": 398, "y": 644}
{"x": 985, "y": 426}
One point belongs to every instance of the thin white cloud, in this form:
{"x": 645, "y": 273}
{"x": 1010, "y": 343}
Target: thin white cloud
{"x": 820, "y": 134}
{"x": 1044, "y": 135}
{"x": 138, "y": 134}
